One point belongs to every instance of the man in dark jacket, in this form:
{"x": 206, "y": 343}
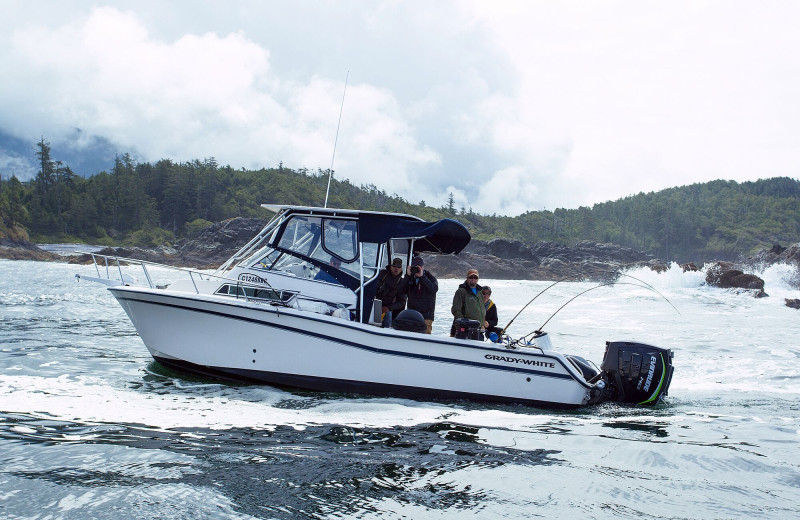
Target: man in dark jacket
{"x": 391, "y": 291}
{"x": 421, "y": 288}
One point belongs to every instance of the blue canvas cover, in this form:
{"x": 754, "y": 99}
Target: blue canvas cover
{"x": 445, "y": 236}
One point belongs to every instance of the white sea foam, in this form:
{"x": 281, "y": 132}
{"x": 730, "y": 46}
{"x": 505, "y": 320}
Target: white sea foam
{"x": 92, "y": 400}
{"x": 781, "y": 280}
{"x": 672, "y": 278}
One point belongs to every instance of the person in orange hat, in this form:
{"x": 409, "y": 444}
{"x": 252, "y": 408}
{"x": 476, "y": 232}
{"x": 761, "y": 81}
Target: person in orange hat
{"x": 468, "y": 300}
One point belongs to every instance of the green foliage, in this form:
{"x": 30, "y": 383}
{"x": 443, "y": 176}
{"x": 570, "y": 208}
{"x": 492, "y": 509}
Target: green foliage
{"x": 196, "y": 226}
{"x": 152, "y": 237}
{"x": 151, "y": 204}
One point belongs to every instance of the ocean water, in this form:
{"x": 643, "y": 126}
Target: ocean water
{"x": 91, "y": 427}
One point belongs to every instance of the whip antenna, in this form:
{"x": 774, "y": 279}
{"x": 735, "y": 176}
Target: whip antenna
{"x": 330, "y": 171}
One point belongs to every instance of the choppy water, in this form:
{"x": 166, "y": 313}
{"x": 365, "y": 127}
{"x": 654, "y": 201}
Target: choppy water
{"x": 91, "y": 427}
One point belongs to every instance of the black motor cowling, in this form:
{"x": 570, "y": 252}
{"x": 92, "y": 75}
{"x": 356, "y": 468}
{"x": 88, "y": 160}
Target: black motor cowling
{"x": 410, "y": 320}
{"x": 464, "y": 328}
{"x": 635, "y": 372}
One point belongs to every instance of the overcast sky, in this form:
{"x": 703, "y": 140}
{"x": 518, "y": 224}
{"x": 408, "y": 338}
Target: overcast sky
{"x": 511, "y": 106}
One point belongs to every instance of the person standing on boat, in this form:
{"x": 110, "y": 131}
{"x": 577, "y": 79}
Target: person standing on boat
{"x": 421, "y": 289}
{"x": 468, "y": 301}
{"x": 490, "y": 320}
{"x": 391, "y": 291}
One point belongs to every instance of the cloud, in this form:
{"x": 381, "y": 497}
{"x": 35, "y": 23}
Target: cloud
{"x": 202, "y": 95}
{"x": 643, "y": 96}
{"x": 509, "y": 105}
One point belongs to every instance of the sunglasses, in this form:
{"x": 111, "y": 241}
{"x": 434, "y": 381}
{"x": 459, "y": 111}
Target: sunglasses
{"x": 473, "y": 277}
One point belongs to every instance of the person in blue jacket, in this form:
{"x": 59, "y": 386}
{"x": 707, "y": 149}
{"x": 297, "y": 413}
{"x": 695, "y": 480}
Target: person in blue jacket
{"x": 324, "y": 276}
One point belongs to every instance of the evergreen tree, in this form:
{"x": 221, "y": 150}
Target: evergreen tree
{"x": 718, "y": 219}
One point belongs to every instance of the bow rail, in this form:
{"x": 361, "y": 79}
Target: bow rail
{"x": 105, "y": 265}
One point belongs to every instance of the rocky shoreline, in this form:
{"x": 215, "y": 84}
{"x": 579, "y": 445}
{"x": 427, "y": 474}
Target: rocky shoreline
{"x": 18, "y": 249}
{"x": 500, "y": 258}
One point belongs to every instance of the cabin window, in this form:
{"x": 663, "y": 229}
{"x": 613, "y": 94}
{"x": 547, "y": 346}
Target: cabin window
{"x": 304, "y": 237}
{"x": 301, "y": 234}
{"x": 258, "y": 293}
{"x": 266, "y": 261}
{"x": 340, "y": 238}
{"x": 321, "y": 238}
{"x": 401, "y": 249}
{"x": 371, "y": 259}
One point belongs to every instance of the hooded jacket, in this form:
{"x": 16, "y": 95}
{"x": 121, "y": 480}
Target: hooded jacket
{"x": 468, "y": 305}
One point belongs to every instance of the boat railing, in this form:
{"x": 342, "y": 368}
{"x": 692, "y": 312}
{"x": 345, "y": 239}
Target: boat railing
{"x": 260, "y": 291}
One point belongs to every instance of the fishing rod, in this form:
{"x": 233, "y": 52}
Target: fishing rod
{"x": 652, "y": 289}
{"x": 330, "y": 171}
{"x": 645, "y": 286}
{"x": 532, "y": 299}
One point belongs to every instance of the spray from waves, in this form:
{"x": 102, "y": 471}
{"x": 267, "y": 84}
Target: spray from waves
{"x": 672, "y": 278}
{"x": 781, "y": 280}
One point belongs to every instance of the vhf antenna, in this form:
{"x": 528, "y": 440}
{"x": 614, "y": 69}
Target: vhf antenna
{"x": 330, "y": 172}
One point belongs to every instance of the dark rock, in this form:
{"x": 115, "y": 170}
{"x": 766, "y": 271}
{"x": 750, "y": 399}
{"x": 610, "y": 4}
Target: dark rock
{"x": 726, "y": 276}
{"x": 777, "y": 254}
{"x": 690, "y": 267}
{"x": 159, "y": 255}
{"x": 212, "y": 246}
{"x": 659, "y": 267}
{"x": 506, "y": 259}
{"x": 504, "y": 248}
{"x": 215, "y": 244}
{"x": 18, "y": 249}
{"x": 793, "y": 303}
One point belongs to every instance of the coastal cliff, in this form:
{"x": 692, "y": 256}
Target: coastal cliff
{"x": 500, "y": 258}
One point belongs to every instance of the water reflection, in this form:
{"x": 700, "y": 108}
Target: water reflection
{"x": 291, "y": 473}
{"x": 653, "y": 430}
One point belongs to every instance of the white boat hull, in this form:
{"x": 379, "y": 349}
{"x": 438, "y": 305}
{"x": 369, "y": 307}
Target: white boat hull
{"x": 258, "y": 342}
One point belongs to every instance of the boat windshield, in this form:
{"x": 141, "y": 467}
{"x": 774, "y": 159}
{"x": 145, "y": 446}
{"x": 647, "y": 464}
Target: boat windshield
{"x": 304, "y": 242}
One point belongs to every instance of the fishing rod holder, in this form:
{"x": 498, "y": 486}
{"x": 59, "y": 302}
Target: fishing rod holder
{"x": 542, "y": 340}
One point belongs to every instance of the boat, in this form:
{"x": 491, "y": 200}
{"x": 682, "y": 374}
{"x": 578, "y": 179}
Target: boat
{"x": 295, "y": 307}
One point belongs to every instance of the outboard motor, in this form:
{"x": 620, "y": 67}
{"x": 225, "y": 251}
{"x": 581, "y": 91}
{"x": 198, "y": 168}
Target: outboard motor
{"x": 467, "y": 329}
{"x": 635, "y": 372}
{"x": 410, "y": 320}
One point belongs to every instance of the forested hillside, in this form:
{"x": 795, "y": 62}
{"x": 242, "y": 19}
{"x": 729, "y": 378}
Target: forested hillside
{"x": 148, "y": 204}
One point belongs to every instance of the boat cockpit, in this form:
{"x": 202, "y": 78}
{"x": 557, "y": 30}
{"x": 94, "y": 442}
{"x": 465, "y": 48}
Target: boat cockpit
{"x": 335, "y": 256}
